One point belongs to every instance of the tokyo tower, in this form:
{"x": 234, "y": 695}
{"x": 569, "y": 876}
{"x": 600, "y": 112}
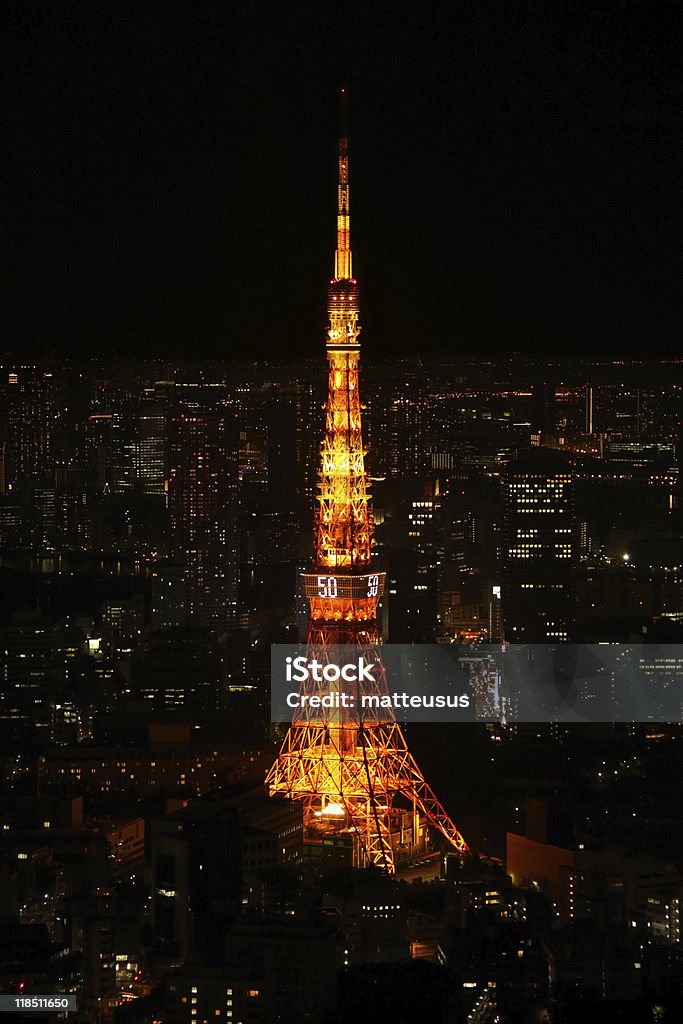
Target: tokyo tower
{"x": 354, "y": 773}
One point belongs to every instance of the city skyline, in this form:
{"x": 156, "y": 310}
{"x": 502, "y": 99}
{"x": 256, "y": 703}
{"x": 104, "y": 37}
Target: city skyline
{"x": 134, "y": 710}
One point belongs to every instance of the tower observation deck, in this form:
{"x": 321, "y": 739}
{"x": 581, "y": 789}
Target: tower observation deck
{"x": 354, "y": 774}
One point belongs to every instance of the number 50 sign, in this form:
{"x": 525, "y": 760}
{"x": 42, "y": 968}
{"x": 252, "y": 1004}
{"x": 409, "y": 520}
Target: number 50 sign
{"x": 344, "y": 585}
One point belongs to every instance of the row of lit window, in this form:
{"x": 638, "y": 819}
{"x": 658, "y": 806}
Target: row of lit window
{"x": 542, "y": 586}
{"x": 538, "y": 511}
{"x": 540, "y": 501}
{"x": 526, "y": 554}
{"x": 547, "y": 482}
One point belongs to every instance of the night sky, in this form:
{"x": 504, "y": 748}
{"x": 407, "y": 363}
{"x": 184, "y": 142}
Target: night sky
{"x": 169, "y": 176}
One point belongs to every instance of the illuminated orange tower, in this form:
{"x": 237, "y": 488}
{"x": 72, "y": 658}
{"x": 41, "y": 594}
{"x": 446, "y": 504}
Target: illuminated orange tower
{"x": 355, "y": 774}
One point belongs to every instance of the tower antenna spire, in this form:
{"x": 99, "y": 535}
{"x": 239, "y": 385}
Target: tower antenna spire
{"x": 343, "y": 113}
{"x": 342, "y": 257}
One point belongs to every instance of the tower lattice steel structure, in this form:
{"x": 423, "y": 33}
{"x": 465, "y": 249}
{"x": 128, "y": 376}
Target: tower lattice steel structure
{"x": 354, "y": 773}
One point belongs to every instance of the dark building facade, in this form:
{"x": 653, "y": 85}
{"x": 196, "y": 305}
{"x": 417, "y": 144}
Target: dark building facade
{"x": 539, "y": 549}
{"x": 203, "y": 495}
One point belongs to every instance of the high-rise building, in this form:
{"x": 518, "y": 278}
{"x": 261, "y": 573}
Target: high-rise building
{"x": 308, "y": 402}
{"x": 123, "y": 440}
{"x": 280, "y": 422}
{"x": 44, "y": 515}
{"x": 203, "y": 482}
{"x": 169, "y": 596}
{"x": 97, "y": 450}
{"x": 27, "y": 424}
{"x": 351, "y": 772}
{"x": 411, "y": 537}
{"x": 397, "y": 427}
{"x": 405, "y": 432}
{"x": 151, "y": 444}
{"x": 276, "y": 538}
{"x": 540, "y": 549}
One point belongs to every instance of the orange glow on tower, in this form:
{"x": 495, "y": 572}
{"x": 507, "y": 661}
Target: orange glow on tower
{"x": 355, "y": 776}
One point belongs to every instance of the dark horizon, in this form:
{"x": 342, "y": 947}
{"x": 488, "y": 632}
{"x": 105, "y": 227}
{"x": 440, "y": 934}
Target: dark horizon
{"x": 171, "y": 180}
